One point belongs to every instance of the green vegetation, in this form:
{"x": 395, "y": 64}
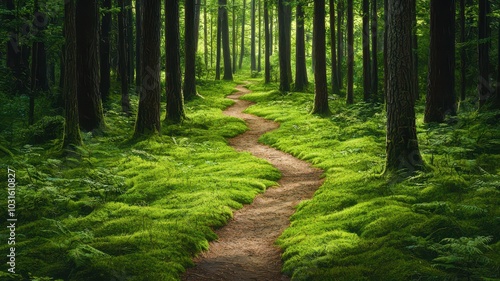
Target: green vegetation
{"x": 119, "y": 209}
{"x": 441, "y": 224}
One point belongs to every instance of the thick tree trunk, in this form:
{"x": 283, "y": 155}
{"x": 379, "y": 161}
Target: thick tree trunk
{"x": 267, "y": 39}
{"x": 441, "y": 99}
{"x": 253, "y": 61}
{"x": 284, "y": 60}
{"x": 228, "y": 73}
{"x": 374, "y": 72}
{"x": 320, "y": 85}
{"x": 350, "y": 53}
{"x": 300, "y": 51}
{"x": 484, "y": 57}
{"x": 366, "y": 52}
{"x": 123, "y": 57}
{"x": 71, "y": 125}
{"x": 105, "y": 51}
{"x": 138, "y": 43}
{"x": 242, "y": 47}
{"x": 175, "y": 103}
{"x": 189, "y": 50}
{"x": 148, "y": 114}
{"x": 333, "y": 39}
{"x": 402, "y": 145}
{"x": 89, "y": 98}
{"x": 340, "y": 41}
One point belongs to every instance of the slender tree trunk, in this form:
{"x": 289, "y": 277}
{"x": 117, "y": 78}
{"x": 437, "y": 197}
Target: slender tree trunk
{"x": 333, "y": 39}
{"x": 414, "y": 46}
{"x": 288, "y": 39}
{"x": 497, "y": 98}
{"x": 173, "y": 75}
{"x": 105, "y": 51}
{"x": 228, "y": 73}
{"x": 300, "y": 51}
{"x": 320, "y": 85}
{"x": 89, "y": 98}
{"x": 253, "y": 62}
{"x": 484, "y": 57}
{"x": 350, "y": 52}
{"x": 123, "y": 57}
{"x": 374, "y": 72}
{"x": 130, "y": 42}
{"x": 283, "y": 58}
{"x": 441, "y": 100}
{"x": 267, "y": 39}
{"x": 271, "y": 28}
{"x": 259, "y": 50}
{"x": 138, "y": 43}
{"x": 340, "y": 41}
{"x": 219, "y": 40}
{"x": 386, "y": 30}
{"x": 13, "y": 51}
{"x": 402, "y": 145}
{"x": 366, "y": 52}
{"x": 235, "y": 56}
{"x": 463, "y": 54}
{"x": 71, "y": 125}
{"x": 197, "y": 11}
{"x": 148, "y": 114}
{"x": 189, "y": 50}
{"x": 205, "y": 36}
{"x": 242, "y": 48}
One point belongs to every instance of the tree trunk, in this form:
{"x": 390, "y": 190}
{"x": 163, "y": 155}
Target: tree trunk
{"x": 148, "y": 114}
{"x": 320, "y": 85}
{"x": 123, "y": 56}
{"x": 71, "y": 125}
{"x": 497, "y": 98}
{"x": 441, "y": 99}
{"x": 386, "y": 27}
{"x": 366, "y": 52}
{"x": 267, "y": 39}
{"x": 89, "y": 98}
{"x": 484, "y": 57}
{"x": 105, "y": 51}
{"x": 300, "y": 51}
{"x": 242, "y": 48}
{"x": 259, "y": 50}
{"x": 283, "y": 58}
{"x": 175, "y": 103}
{"x": 138, "y": 43}
{"x": 374, "y": 72}
{"x": 350, "y": 52}
{"x": 253, "y": 62}
{"x": 219, "y": 39}
{"x": 463, "y": 54}
{"x": 333, "y": 39}
{"x": 235, "y": 56}
{"x": 402, "y": 145}
{"x": 189, "y": 50}
{"x": 414, "y": 46}
{"x": 340, "y": 41}
{"x": 205, "y": 36}
{"x": 228, "y": 73}
{"x": 130, "y": 42}
{"x": 197, "y": 11}
{"x": 271, "y": 28}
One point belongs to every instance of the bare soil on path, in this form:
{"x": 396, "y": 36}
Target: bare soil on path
{"x": 245, "y": 248}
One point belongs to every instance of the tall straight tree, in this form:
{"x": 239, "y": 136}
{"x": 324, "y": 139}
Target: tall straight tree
{"x": 138, "y": 43}
{"x": 414, "y": 46}
{"x": 72, "y": 135}
{"x": 224, "y": 31}
{"x": 320, "y": 88}
{"x": 218, "y": 44}
{"x": 130, "y": 41}
{"x": 333, "y": 39}
{"x": 497, "y": 98}
{"x": 374, "y": 29}
{"x": 284, "y": 36}
{"x": 175, "y": 102}
{"x": 189, "y": 50}
{"x": 242, "y": 47}
{"x": 123, "y": 56}
{"x": 340, "y": 41}
{"x": 402, "y": 150}
{"x": 366, "y": 52}
{"x": 463, "y": 53}
{"x": 87, "y": 41}
{"x": 300, "y": 50}
{"x": 350, "y": 53}
{"x": 386, "y": 31}
{"x": 148, "y": 114}
{"x": 484, "y": 88}
{"x": 259, "y": 49}
{"x": 441, "y": 98}
{"x": 267, "y": 42}
{"x": 235, "y": 57}
{"x": 253, "y": 61}
{"x": 104, "y": 50}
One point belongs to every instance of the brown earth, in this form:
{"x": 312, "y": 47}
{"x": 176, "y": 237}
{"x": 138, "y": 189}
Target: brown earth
{"x": 245, "y": 248}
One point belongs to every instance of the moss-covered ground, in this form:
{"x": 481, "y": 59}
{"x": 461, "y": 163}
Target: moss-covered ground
{"x": 440, "y": 224}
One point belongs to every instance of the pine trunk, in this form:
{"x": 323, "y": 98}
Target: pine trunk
{"x": 224, "y": 25}
{"x": 374, "y": 72}
{"x": 300, "y": 51}
{"x": 138, "y": 43}
{"x": 463, "y": 54}
{"x": 366, "y": 52}
{"x": 484, "y": 57}
{"x": 253, "y": 61}
{"x": 333, "y": 39}
{"x": 105, "y": 51}
{"x": 340, "y": 42}
{"x": 321, "y": 88}
{"x": 350, "y": 53}
{"x": 189, "y": 91}
{"x": 283, "y": 58}
{"x": 123, "y": 57}
{"x": 242, "y": 47}
{"x": 267, "y": 39}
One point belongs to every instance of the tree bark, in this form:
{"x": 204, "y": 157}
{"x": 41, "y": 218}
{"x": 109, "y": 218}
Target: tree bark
{"x": 189, "y": 50}
{"x": 259, "y": 45}
{"x": 267, "y": 39}
{"x": 284, "y": 59}
{"x": 484, "y": 57}
{"x": 333, "y": 39}
{"x": 138, "y": 43}
{"x": 105, "y": 51}
{"x": 89, "y": 98}
{"x": 350, "y": 52}
{"x": 300, "y": 50}
{"x": 175, "y": 103}
{"x": 205, "y": 36}
{"x": 235, "y": 56}
{"x": 340, "y": 41}
{"x": 366, "y": 52}
{"x": 386, "y": 29}
{"x": 374, "y": 72}
{"x": 253, "y": 61}
{"x": 219, "y": 40}
{"x": 242, "y": 48}
{"x": 463, "y": 54}
{"x": 123, "y": 57}
{"x": 414, "y": 46}
{"x": 321, "y": 88}
{"x": 72, "y": 135}
{"x": 197, "y": 10}
{"x": 224, "y": 26}
{"x": 148, "y": 114}
{"x": 130, "y": 42}
{"x": 402, "y": 145}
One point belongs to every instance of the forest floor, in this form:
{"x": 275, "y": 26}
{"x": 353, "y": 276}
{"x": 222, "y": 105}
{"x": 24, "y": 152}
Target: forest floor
{"x": 245, "y": 248}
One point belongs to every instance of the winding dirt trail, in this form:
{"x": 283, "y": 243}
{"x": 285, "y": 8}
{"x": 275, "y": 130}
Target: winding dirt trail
{"x": 245, "y": 249}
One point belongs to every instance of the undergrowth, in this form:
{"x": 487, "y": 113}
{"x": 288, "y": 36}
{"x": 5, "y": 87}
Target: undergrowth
{"x": 441, "y": 224}
{"x": 122, "y": 209}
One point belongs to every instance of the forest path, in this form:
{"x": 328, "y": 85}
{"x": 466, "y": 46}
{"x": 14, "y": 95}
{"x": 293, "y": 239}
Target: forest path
{"x": 245, "y": 249}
